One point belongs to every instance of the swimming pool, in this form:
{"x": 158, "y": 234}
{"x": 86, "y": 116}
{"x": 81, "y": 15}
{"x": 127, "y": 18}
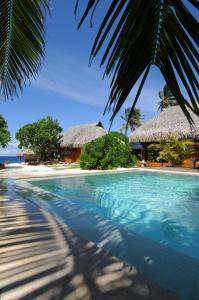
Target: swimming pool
{"x": 125, "y": 212}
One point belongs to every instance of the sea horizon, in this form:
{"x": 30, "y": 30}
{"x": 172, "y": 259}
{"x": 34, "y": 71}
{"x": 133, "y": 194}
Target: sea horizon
{"x": 9, "y": 158}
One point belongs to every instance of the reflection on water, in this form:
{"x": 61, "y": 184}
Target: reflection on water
{"x": 163, "y": 207}
{"x": 125, "y": 201}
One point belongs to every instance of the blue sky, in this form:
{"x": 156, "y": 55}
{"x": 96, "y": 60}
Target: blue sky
{"x": 66, "y": 88}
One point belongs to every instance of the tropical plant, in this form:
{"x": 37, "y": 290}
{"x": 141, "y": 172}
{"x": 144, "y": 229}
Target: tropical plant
{"x": 166, "y": 98}
{"x": 22, "y": 40}
{"x": 111, "y": 151}
{"x": 43, "y": 137}
{"x": 173, "y": 150}
{"x": 4, "y": 133}
{"x": 137, "y": 34}
{"x": 131, "y": 122}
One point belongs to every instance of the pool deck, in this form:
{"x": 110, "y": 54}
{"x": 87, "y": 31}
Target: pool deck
{"x": 24, "y": 171}
{"x": 42, "y": 258}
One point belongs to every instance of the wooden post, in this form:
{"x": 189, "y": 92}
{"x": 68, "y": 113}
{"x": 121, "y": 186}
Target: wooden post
{"x": 144, "y": 151}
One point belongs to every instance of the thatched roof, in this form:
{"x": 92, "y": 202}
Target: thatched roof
{"x": 78, "y": 136}
{"x": 28, "y": 152}
{"x": 170, "y": 121}
{"x": 20, "y": 153}
{"x": 25, "y": 151}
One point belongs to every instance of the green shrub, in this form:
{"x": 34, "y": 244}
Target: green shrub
{"x": 173, "y": 150}
{"x": 111, "y": 151}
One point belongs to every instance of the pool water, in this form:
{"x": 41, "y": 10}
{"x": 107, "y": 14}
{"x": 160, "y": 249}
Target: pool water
{"x": 161, "y": 207}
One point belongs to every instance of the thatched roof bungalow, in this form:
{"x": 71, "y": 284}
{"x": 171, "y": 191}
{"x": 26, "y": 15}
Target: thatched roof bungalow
{"x": 28, "y": 155}
{"x": 170, "y": 121}
{"x": 76, "y": 137}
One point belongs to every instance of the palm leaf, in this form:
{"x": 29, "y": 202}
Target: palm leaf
{"x": 22, "y": 39}
{"x": 139, "y": 34}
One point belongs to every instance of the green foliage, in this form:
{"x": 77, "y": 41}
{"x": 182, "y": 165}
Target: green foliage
{"x": 43, "y": 137}
{"x": 111, "y": 151}
{"x": 26, "y": 135}
{"x": 131, "y": 121}
{"x": 4, "y": 133}
{"x": 135, "y": 35}
{"x": 153, "y": 154}
{"x": 173, "y": 150}
{"x": 22, "y": 40}
{"x": 166, "y": 98}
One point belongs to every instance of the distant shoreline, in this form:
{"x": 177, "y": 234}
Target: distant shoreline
{"x": 11, "y": 159}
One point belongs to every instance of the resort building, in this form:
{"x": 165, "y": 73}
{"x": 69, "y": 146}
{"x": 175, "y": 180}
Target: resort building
{"x": 171, "y": 121}
{"x": 76, "y": 137}
{"x": 28, "y": 155}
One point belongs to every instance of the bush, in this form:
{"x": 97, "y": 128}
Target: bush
{"x": 173, "y": 150}
{"x": 2, "y": 166}
{"x": 111, "y": 151}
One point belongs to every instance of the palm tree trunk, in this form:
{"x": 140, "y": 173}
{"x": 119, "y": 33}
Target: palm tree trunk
{"x": 126, "y": 130}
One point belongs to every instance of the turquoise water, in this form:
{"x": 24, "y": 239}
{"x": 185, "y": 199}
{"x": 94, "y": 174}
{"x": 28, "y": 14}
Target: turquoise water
{"x": 163, "y": 208}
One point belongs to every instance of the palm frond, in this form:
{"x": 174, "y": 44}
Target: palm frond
{"x": 139, "y": 34}
{"x": 22, "y": 40}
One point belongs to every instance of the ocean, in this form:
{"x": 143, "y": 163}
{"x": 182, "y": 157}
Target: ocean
{"x": 12, "y": 159}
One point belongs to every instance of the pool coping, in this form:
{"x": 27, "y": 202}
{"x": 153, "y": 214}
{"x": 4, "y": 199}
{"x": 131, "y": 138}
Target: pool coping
{"x": 78, "y": 172}
{"x": 183, "y": 172}
{"x": 97, "y": 172}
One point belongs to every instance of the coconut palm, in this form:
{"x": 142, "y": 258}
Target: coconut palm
{"x": 131, "y": 123}
{"x": 22, "y": 41}
{"x": 137, "y": 34}
{"x": 166, "y": 98}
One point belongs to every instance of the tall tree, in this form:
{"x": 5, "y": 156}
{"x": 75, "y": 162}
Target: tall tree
{"x": 131, "y": 122}
{"x": 43, "y": 137}
{"x": 166, "y": 98}
{"x": 4, "y": 133}
{"x": 137, "y": 34}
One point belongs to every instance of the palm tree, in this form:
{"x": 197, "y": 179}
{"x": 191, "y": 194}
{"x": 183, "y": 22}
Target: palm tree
{"x": 166, "y": 98}
{"x": 137, "y": 35}
{"x": 22, "y": 42}
{"x": 132, "y": 121}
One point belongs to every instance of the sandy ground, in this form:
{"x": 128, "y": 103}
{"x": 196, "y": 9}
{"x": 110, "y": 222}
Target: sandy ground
{"x": 20, "y": 171}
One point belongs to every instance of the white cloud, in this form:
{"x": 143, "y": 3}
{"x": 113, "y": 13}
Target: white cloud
{"x": 10, "y": 150}
{"x": 96, "y": 97}
{"x": 75, "y": 81}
